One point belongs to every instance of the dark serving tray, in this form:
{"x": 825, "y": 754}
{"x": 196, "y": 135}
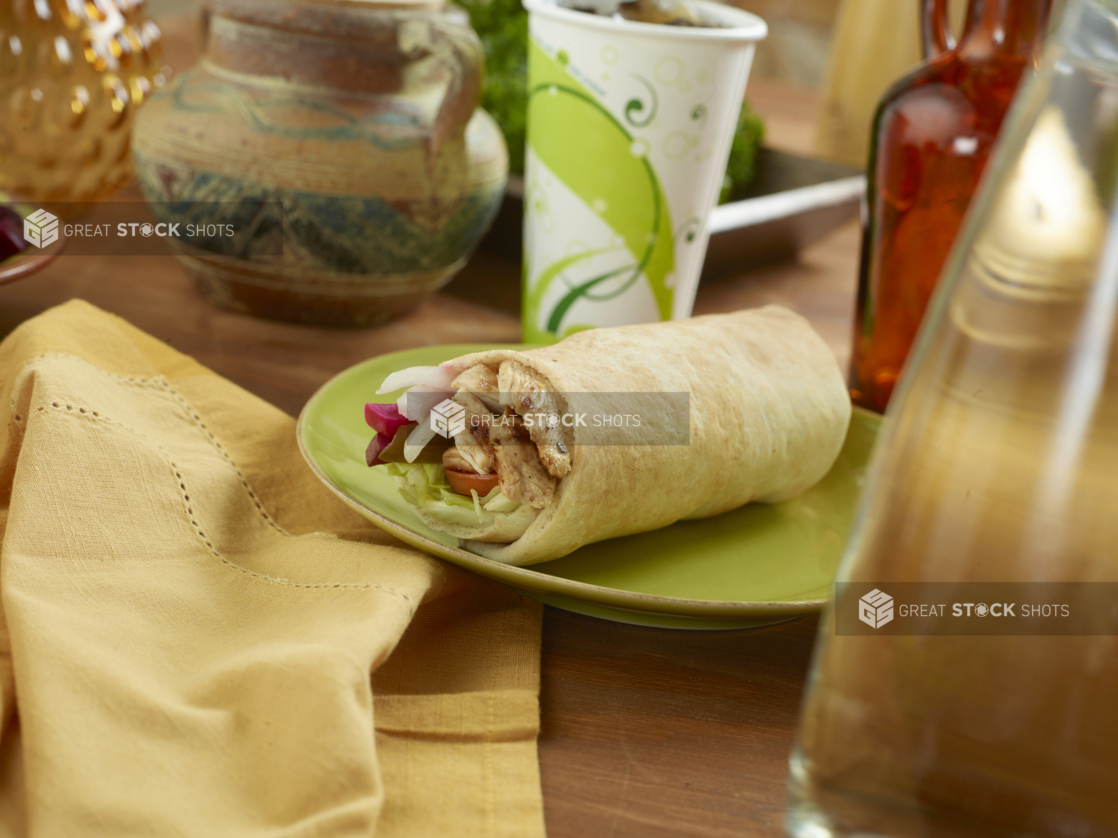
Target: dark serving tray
{"x": 792, "y": 202}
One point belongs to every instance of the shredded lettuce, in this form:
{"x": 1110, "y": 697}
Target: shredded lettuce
{"x": 424, "y": 485}
{"x": 496, "y": 501}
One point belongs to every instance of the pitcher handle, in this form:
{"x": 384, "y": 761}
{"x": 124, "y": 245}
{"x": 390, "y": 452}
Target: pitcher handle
{"x": 935, "y": 29}
{"x": 457, "y": 48}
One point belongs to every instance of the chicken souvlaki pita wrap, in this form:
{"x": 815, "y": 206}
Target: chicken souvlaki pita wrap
{"x": 527, "y": 455}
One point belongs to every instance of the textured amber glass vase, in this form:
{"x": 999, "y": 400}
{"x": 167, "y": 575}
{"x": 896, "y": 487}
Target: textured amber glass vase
{"x": 72, "y": 74}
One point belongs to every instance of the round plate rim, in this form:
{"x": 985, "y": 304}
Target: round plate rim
{"x": 23, "y": 266}
{"x": 525, "y": 577}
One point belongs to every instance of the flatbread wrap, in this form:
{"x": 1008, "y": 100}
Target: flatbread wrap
{"x": 765, "y": 413}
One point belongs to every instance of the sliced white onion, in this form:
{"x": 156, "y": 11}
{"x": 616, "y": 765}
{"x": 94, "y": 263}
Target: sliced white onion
{"x": 417, "y": 440}
{"x": 429, "y": 376}
{"x": 416, "y": 403}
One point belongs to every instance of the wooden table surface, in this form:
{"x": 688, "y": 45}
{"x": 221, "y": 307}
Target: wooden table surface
{"x": 646, "y": 732}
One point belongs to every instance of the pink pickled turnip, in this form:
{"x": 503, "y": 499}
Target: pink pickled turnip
{"x": 378, "y": 444}
{"x": 385, "y": 419}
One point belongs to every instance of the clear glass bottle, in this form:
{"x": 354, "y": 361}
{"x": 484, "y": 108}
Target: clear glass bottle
{"x": 931, "y": 137}
{"x": 998, "y": 463}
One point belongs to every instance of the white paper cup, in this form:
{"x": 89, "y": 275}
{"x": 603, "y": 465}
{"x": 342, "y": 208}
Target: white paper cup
{"x": 629, "y": 130}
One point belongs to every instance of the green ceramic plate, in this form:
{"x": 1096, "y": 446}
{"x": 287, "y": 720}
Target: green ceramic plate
{"x": 757, "y": 565}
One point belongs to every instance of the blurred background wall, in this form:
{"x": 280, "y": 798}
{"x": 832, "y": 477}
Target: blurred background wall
{"x": 846, "y": 51}
{"x": 850, "y": 51}
{"x": 799, "y": 38}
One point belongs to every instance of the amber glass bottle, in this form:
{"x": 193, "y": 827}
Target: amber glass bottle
{"x": 932, "y": 135}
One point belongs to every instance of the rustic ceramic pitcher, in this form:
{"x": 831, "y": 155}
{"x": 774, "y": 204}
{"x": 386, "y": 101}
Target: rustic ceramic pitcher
{"x": 341, "y": 144}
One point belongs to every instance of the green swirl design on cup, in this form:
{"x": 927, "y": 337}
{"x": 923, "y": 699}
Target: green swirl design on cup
{"x": 602, "y": 163}
{"x": 635, "y": 105}
{"x": 674, "y": 79}
{"x": 689, "y": 229}
{"x": 678, "y": 144}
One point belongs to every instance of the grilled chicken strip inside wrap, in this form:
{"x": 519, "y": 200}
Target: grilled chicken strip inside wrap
{"x": 767, "y": 413}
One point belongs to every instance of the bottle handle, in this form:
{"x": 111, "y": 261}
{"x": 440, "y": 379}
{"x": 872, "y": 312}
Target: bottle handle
{"x": 935, "y": 29}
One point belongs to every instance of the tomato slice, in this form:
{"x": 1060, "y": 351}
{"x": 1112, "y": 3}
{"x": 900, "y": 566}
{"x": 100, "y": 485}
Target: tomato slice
{"x": 462, "y": 481}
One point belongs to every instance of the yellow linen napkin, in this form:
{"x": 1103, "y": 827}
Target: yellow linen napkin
{"x": 199, "y": 640}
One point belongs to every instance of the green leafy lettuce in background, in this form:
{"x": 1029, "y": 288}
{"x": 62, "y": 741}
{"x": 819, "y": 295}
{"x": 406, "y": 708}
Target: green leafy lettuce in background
{"x": 502, "y": 26}
{"x": 743, "y": 153}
